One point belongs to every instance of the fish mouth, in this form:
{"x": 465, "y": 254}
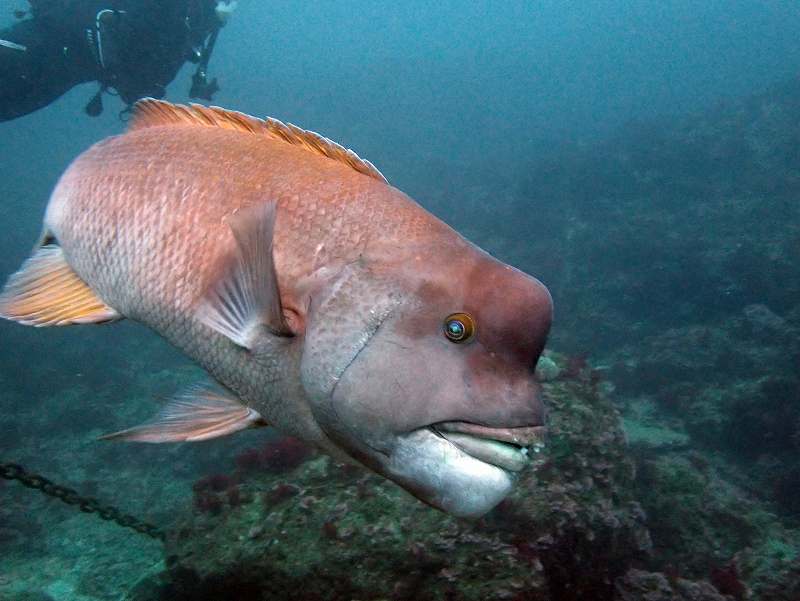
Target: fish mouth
{"x": 507, "y": 448}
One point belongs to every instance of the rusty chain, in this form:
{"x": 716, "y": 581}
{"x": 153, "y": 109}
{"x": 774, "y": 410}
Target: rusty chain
{"x": 13, "y": 471}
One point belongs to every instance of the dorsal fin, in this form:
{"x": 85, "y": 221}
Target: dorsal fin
{"x": 150, "y": 112}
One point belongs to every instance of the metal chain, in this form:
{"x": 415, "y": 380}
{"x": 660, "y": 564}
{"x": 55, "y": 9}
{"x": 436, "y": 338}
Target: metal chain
{"x": 13, "y": 471}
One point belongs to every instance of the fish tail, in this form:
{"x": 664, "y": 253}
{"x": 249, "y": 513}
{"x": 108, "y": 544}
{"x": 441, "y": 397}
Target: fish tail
{"x": 46, "y": 291}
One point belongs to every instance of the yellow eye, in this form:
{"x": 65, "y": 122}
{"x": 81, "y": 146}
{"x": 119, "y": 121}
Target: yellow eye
{"x": 459, "y": 327}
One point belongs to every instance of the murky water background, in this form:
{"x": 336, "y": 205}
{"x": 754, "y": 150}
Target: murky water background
{"x": 641, "y": 158}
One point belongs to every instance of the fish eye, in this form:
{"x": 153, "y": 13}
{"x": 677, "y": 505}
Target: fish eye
{"x": 459, "y": 327}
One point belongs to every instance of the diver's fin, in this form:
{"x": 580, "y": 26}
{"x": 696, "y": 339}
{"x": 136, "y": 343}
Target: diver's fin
{"x": 200, "y": 413}
{"x": 246, "y": 299}
{"x": 47, "y": 292}
{"x": 150, "y": 112}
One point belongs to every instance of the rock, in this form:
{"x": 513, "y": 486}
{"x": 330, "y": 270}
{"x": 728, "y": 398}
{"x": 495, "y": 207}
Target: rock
{"x": 762, "y": 319}
{"x": 774, "y": 567}
{"x": 547, "y": 370}
{"x": 27, "y": 596}
{"x": 637, "y": 585}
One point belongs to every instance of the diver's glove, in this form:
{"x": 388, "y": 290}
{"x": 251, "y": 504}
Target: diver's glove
{"x": 224, "y": 10}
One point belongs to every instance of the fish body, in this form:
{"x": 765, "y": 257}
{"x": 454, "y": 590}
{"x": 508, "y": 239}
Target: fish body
{"x": 142, "y": 219}
{"x": 318, "y": 296}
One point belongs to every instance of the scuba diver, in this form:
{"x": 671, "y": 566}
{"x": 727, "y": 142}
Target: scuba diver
{"x": 132, "y": 48}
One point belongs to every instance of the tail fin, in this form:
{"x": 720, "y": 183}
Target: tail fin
{"x": 47, "y": 292}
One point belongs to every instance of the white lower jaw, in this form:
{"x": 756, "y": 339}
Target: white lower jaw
{"x": 506, "y": 456}
{"x": 440, "y": 473}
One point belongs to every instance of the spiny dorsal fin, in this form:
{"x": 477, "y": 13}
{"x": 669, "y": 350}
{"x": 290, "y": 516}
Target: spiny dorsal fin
{"x": 150, "y": 112}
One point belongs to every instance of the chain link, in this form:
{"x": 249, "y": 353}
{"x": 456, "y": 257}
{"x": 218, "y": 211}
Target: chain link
{"x": 13, "y": 471}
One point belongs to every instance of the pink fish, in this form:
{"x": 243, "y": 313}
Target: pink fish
{"x": 320, "y": 299}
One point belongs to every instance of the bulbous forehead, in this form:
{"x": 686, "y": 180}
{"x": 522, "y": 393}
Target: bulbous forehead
{"x": 512, "y": 310}
{"x": 515, "y": 309}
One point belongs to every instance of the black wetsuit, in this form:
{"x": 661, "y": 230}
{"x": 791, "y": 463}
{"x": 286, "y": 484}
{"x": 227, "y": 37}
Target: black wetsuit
{"x": 134, "y": 47}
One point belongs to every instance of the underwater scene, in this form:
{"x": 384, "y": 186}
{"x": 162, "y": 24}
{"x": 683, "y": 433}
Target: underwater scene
{"x": 536, "y": 337}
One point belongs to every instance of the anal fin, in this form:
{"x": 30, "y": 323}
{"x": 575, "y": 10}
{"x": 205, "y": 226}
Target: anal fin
{"x": 200, "y": 413}
{"x": 47, "y": 292}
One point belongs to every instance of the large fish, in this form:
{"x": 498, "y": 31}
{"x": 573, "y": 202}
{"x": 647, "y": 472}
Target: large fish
{"x": 320, "y": 299}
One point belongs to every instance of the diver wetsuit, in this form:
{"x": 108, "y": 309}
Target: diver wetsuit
{"x": 135, "y": 47}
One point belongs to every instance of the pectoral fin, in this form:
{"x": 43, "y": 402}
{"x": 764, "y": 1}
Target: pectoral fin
{"x": 200, "y": 413}
{"x": 47, "y": 292}
{"x": 247, "y": 299}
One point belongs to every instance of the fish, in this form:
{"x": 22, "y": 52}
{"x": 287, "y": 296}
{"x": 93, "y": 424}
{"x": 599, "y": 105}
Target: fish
{"x": 319, "y": 299}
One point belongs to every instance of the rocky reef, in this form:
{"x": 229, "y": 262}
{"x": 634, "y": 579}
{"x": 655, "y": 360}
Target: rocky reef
{"x": 320, "y": 530}
{"x": 286, "y": 525}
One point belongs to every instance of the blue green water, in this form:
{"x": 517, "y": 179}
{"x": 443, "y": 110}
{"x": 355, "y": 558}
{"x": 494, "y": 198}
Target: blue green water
{"x": 641, "y": 158}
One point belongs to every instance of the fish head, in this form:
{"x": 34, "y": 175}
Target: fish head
{"x": 422, "y": 369}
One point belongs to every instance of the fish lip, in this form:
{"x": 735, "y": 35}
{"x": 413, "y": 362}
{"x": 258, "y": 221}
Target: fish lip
{"x": 521, "y": 436}
{"x": 506, "y": 448}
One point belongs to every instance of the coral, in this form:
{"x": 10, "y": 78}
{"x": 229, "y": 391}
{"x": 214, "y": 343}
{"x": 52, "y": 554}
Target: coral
{"x": 208, "y": 502}
{"x": 213, "y": 492}
{"x": 249, "y": 459}
{"x": 726, "y": 580}
{"x": 279, "y": 493}
{"x": 330, "y": 530}
{"x": 234, "y": 496}
{"x": 277, "y": 456}
{"x": 214, "y": 482}
{"x": 285, "y": 454}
